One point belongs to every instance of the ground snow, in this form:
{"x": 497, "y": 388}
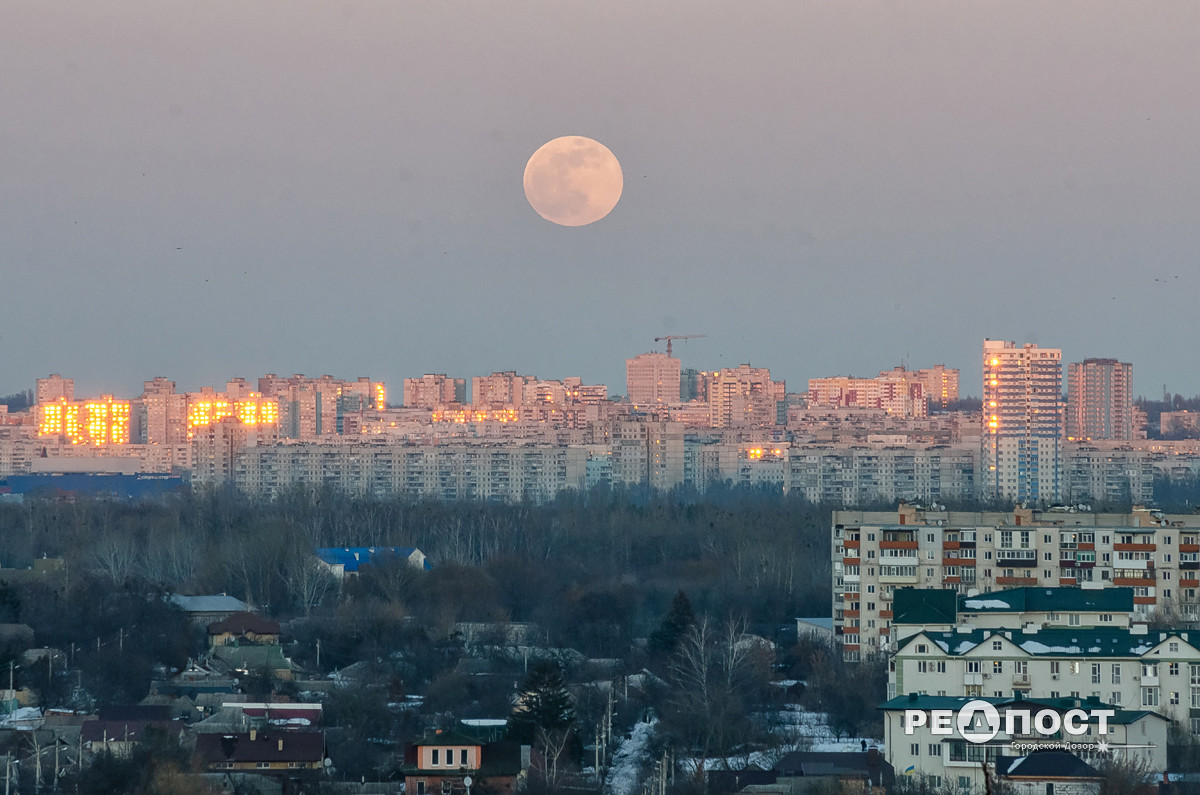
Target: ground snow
{"x": 627, "y": 761}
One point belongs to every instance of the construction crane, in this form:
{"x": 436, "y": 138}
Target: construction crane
{"x": 670, "y": 337}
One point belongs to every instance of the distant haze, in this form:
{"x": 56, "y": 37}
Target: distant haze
{"x": 203, "y": 190}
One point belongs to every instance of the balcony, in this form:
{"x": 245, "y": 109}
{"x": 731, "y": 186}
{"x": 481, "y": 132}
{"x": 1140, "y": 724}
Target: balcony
{"x": 1133, "y": 547}
{"x": 972, "y": 679}
{"x": 1021, "y": 680}
{"x": 897, "y": 544}
{"x": 1016, "y": 581}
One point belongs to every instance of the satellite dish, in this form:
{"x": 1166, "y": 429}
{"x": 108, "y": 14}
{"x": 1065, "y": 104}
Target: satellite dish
{"x": 328, "y": 762}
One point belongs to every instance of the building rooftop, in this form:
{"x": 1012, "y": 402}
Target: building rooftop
{"x": 1050, "y": 600}
{"x": 1053, "y": 642}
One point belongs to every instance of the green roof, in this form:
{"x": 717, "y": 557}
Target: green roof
{"x": 1054, "y": 642}
{"x": 924, "y": 606}
{"x": 1049, "y": 600}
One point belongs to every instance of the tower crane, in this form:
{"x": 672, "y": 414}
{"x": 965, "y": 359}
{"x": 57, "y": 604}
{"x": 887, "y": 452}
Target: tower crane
{"x": 670, "y": 337}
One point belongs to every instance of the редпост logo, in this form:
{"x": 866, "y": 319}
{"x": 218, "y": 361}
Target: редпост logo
{"x": 979, "y": 722}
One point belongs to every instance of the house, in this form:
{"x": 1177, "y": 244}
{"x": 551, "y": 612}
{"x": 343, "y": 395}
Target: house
{"x": 1048, "y": 772}
{"x": 809, "y": 771}
{"x": 204, "y": 610}
{"x": 261, "y": 751}
{"x": 246, "y": 659}
{"x": 343, "y": 561}
{"x": 241, "y": 716}
{"x": 241, "y": 628}
{"x": 817, "y": 628}
{"x": 118, "y": 728}
{"x": 440, "y": 764}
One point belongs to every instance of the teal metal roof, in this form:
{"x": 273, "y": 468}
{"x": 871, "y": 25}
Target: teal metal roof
{"x": 1053, "y": 642}
{"x": 1049, "y": 600}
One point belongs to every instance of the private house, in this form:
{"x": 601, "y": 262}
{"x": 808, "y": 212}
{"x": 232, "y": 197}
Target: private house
{"x": 1048, "y": 772}
{"x": 204, "y": 610}
{"x": 950, "y": 760}
{"x": 440, "y": 763}
{"x": 343, "y": 561}
{"x": 117, "y": 729}
{"x": 242, "y": 628}
{"x": 262, "y": 751}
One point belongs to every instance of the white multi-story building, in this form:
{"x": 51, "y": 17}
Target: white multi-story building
{"x": 874, "y": 553}
{"x": 1022, "y": 422}
{"x": 952, "y": 762}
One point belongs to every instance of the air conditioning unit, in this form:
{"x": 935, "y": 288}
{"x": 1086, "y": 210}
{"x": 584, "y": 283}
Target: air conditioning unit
{"x": 987, "y": 676}
{"x": 1137, "y": 678}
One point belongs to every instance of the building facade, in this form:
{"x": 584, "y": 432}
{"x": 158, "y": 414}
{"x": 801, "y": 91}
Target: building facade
{"x": 1099, "y": 400}
{"x": 874, "y": 553}
{"x": 652, "y": 380}
{"x": 1022, "y": 422}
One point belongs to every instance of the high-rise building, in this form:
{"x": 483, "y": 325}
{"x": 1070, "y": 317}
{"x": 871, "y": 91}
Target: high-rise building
{"x": 55, "y": 387}
{"x": 652, "y": 379}
{"x": 744, "y": 396}
{"x": 940, "y": 383}
{"x": 1022, "y": 422}
{"x": 434, "y": 389}
{"x": 1099, "y": 400}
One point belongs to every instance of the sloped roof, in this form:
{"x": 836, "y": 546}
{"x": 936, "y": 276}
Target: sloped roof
{"x": 252, "y": 657}
{"x": 241, "y": 623}
{"x": 1049, "y": 600}
{"x": 1051, "y": 763}
{"x": 265, "y": 747}
{"x": 351, "y": 558}
{"x": 216, "y": 603}
{"x": 924, "y": 606}
{"x": 1052, "y": 642}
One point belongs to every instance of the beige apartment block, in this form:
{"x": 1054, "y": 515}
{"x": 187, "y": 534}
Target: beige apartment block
{"x": 874, "y": 553}
{"x": 1099, "y": 400}
{"x": 652, "y": 380}
{"x": 744, "y": 397}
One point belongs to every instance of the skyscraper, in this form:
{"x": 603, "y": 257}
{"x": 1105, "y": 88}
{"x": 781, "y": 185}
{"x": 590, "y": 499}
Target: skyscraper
{"x": 652, "y": 379}
{"x": 1099, "y": 399}
{"x": 1022, "y": 422}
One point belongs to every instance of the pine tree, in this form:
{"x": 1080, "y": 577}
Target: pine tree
{"x": 543, "y": 703}
{"x": 665, "y": 639}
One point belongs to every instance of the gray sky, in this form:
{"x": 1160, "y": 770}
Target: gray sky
{"x": 202, "y": 190}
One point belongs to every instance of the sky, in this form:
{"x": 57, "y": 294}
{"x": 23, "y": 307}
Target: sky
{"x": 207, "y": 190}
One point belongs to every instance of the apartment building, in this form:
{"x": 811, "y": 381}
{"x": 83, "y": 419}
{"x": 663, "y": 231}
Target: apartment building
{"x": 452, "y": 471}
{"x": 1099, "y": 400}
{"x": 744, "y": 397}
{"x": 434, "y": 389}
{"x": 652, "y": 380}
{"x": 874, "y": 553}
{"x": 1130, "y": 668}
{"x": 953, "y": 763}
{"x": 1022, "y": 422}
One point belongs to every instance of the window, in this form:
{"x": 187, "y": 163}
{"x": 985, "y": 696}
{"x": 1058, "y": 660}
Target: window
{"x": 1095, "y": 673}
{"x": 1174, "y": 697}
{"x": 973, "y": 667}
{"x": 1173, "y": 646}
{"x": 1021, "y": 668}
{"x": 1105, "y": 618}
{"x": 922, "y": 648}
{"x": 435, "y": 757}
{"x": 1074, "y": 664}
{"x": 1116, "y": 673}
{"x": 1149, "y": 696}
{"x": 916, "y": 749}
{"x": 1149, "y": 669}
{"x": 998, "y": 667}
{"x": 941, "y": 667}
{"x": 262, "y": 765}
{"x": 997, "y": 645}
{"x": 1173, "y": 669}
{"x": 935, "y": 749}
{"x": 1073, "y": 620}
{"x": 1116, "y": 697}
{"x": 462, "y": 757}
{"x": 420, "y": 787}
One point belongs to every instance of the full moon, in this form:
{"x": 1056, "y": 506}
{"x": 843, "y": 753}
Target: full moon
{"x": 573, "y": 181}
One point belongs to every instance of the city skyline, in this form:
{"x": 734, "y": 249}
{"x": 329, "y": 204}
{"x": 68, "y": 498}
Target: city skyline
{"x": 814, "y": 187}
